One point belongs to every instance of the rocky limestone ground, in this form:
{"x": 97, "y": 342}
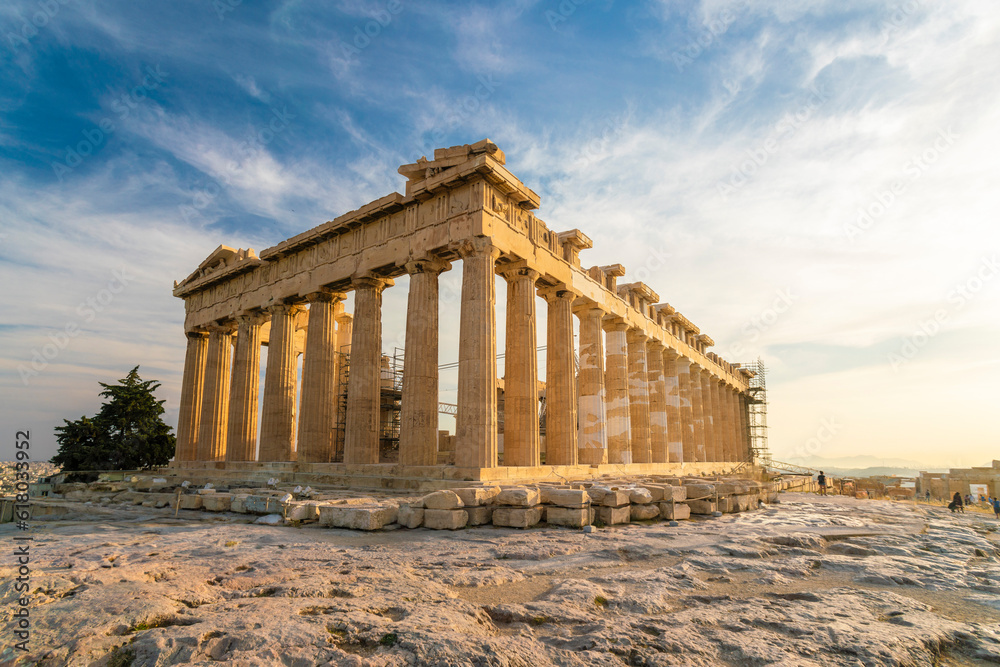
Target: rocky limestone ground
{"x": 807, "y": 581}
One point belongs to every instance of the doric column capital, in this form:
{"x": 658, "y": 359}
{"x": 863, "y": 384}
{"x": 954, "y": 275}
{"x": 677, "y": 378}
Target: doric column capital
{"x": 518, "y": 271}
{"x": 281, "y": 308}
{"x": 325, "y": 294}
{"x": 558, "y": 292}
{"x": 477, "y": 246}
{"x": 253, "y": 317}
{"x": 226, "y": 328}
{"x": 427, "y": 265}
{"x": 636, "y": 335}
{"x": 655, "y": 346}
{"x": 582, "y": 306}
{"x": 614, "y": 323}
{"x": 368, "y": 281}
{"x": 196, "y": 334}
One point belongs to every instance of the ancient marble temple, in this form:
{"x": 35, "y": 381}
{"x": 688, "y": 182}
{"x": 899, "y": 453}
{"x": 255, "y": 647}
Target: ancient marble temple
{"x": 641, "y": 392}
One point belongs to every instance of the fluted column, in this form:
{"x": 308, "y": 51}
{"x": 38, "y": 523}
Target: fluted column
{"x": 241, "y": 442}
{"x": 719, "y": 406}
{"x": 708, "y": 414}
{"x": 638, "y": 396}
{"x": 616, "y": 386}
{"x": 744, "y": 427}
{"x": 685, "y": 392}
{"x": 733, "y": 428}
{"x": 675, "y": 422}
{"x": 476, "y": 429}
{"x": 593, "y": 415}
{"x": 277, "y": 427}
{"x": 658, "y": 422}
{"x": 697, "y": 413}
{"x": 319, "y": 380}
{"x": 418, "y": 428}
{"x": 521, "y": 443}
{"x": 561, "y": 446}
{"x": 363, "y": 382}
{"x": 192, "y": 387}
{"x": 215, "y": 403}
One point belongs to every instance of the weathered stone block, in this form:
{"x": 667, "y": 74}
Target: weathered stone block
{"x": 238, "y": 503}
{"x": 746, "y": 503}
{"x": 480, "y": 516}
{"x": 219, "y": 502}
{"x": 565, "y": 497}
{"x": 442, "y": 500}
{"x": 640, "y": 496}
{"x": 301, "y": 511}
{"x": 666, "y": 493}
{"x": 191, "y": 502}
{"x": 568, "y": 516}
{"x": 480, "y": 495}
{"x": 645, "y": 512}
{"x": 162, "y": 499}
{"x": 517, "y": 517}
{"x": 518, "y": 497}
{"x": 674, "y": 511}
{"x": 702, "y": 506}
{"x": 357, "y": 518}
{"x": 445, "y": 519}
{"x": 611, "y": 516}
{"x": 410, "y": 516}
{"x": 700, "y": 491}
{"x": 727, "y": 504}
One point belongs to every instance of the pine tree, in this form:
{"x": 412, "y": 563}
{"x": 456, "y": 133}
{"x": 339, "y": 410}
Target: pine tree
{"x": 127, "y": 434}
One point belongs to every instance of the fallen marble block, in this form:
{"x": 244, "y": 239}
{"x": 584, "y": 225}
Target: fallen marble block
{"x": 702, "y": 506}
{"x": 218, "y": 502}
{"x": 476, "y": 496}
{"x": 644, "y": 512}
{"x": 518, "y": 497}
{"x": 565, "y": 497}
{"x": 357, "y": 517}
{"x": 301, "y": 511}
{"x": 611, "y": 516}
{"x": 480, "y": 516}
{"x": 575, "y": 517}
{"x": 674, "y": 511}
{"x": 640, "y": 496}
{"x": 238, "y": 503}
{"x": 191, "y": 502}
{"x": 445, "y": 519}
{"x": 442, "y": 500}
{"x": 410, "y": 516}
{"x": 517, "y": 517}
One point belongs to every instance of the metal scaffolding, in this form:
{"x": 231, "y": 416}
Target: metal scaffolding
{"x": 757, "y": 412}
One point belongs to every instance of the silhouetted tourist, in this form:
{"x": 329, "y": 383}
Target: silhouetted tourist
{"x": 957, "y": 503}
{"x": 822, "y": 483}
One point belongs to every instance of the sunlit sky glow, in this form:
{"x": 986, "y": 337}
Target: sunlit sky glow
{"x": 813, "y": 183}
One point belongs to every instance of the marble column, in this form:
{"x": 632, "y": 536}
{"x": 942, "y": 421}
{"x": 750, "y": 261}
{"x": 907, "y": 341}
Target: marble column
{"x": 734, "y": 425}
{"x": 745, "y": 449}
{"x": 685, "y": 393}
{"x": 658, "y": 423}
{"x": 638, "y": 396}
{"x": 476, "y": 422}
{"x": 192, "y": 387}
{"x": 697, "y": 412}
{"x": 561, "y": 443}
{"x": 241, "y": 442}
{"x": 521, "y": 443}
{"x": 364, "y": 380}
{"x": 593, "y": 415}
{"x": 215, "y": 403}
{"x": 319, "y": 380}
{"x": 708, "y": 414}
{"x": 277, "y": 423}
{"x": 616, "y": 385}
{"x": 418, "y": 427}
{"x": 345, "y": 329}
{"x": 719, "y": 406}
{"x": 675, "y": 421}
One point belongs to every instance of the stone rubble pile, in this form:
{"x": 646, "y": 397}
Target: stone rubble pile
{"x": 575, "y": 505}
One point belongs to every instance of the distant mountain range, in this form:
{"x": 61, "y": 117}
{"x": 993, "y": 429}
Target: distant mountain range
{"x": 863, "y": 466}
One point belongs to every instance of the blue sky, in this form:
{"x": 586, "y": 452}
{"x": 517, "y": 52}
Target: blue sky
{"x": 813, "y": 183}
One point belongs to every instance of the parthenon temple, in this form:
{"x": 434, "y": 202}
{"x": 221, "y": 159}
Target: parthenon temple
{"x": 641, "y": 394}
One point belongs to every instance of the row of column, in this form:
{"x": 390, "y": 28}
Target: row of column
{"x": 633, "y": 402}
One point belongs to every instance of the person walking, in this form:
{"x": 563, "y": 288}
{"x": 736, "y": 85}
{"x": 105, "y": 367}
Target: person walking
{"x": 996, "y": 507}
{"x": 821, "y": 480}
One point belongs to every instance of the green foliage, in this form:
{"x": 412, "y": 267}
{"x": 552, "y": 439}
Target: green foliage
{"x": 127, "y": 434}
